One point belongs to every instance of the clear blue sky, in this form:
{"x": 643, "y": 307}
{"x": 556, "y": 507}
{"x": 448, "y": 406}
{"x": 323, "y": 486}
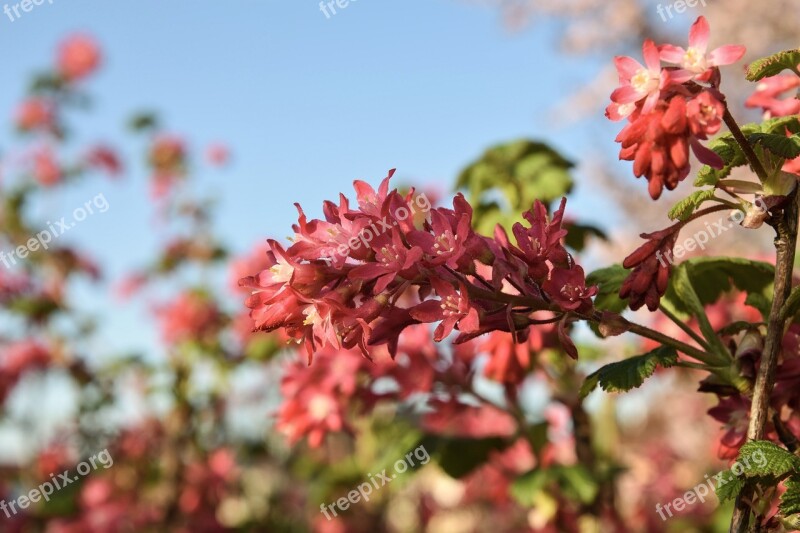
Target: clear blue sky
{"x": 307, "y": 103}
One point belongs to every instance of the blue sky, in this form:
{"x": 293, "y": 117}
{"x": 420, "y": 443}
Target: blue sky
{"x": 307, "y": 104}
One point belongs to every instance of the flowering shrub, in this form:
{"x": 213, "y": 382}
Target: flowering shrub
{"x": 400, "y": 320}
{"x": 518, "y": 289}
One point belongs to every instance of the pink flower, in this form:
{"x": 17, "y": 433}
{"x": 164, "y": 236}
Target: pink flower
{"x": 191, "y": 316}
{"x": 217, "y": 154}
{"x": 104, "y": 159}
{"x": 640, "y": 82}
{"x": 696, "y": 62}
{"x": 705, "y": 113}
{"x": 567, "y": 289}
{"x": 78, "y": 57}
{"x": 45, "y": 168}
{"x": 453, "y": 309}
{"x": 34, "y": 113}
{"x": 768, "y": 93}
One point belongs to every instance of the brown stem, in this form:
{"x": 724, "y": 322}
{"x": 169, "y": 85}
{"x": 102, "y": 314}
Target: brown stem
{"x": 785, "y": 245}
{"x": 744, "y": 144}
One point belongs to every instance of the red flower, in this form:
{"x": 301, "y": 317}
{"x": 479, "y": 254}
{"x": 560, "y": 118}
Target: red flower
{"x": 444, "y": 243}
{"x": 392, "y": 258}
{"x": 34, "y": 113}
{"x": 567, "y": 289}
{"x": 78, "y": 57}
{"x": 46, "y": 169}
{"x": 768, "y": 94}
{"x": 651, "y": 264}
{"x": 190, "y": 316}
{"x": 105, "y": 159}
{"x": 658, "y": 143}
{"x": 454, "y": 309}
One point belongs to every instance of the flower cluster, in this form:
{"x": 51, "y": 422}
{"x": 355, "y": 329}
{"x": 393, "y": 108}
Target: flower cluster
{"x": 670, "y": 109}
{"x": 770, "y": 97}
{"x": 340, "y": 286}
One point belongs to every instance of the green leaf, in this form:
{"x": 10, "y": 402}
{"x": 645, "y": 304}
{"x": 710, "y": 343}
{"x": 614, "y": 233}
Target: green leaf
{"x": 686, "y": 207}
{"x": 778, "y": 144}
{"x": 608, "y": 280}
{"x": 575, "y": 482}
{"x": 761, "y": 458}
{"x": 790, "y": 500}
{"x": 579, "y": 235}
{"x": 460, "y": 456}
{"x": 629, "y": 373}
{"x": 731, "y": 488}
{"x": 711, "y": 277}
{"x": 525, "y": 488}
{"x": 731, "y": 153}
{"x": 508, "y": 178}
{"x": 781, "y": 125}
{"x": 681, "y": 286}
{"x": 143, "y": 121}
{"x": 774, "y": 64}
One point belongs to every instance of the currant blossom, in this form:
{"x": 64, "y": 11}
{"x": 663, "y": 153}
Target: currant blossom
{"x": 695, "y": 62}
{"x": 640, "y": 82}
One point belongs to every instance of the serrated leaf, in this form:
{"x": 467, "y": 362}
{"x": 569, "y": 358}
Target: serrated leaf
{"x": 628, "y": 374}
{"x": 686, "y": 207}
{"x": 790, "y": 500}
{"x": 780, "y": 145}
{"x": 781, "y": 125}
{"x": 731, "y": 488}
{"x": 773, "y": 65}
{"x": 777, "y": 462}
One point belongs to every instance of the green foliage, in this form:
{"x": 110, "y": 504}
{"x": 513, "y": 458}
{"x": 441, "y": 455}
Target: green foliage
{"x": 580, "y": 234}
{"x": 629, "y": 373}
{"x": 711, "y": 277}
{"x": 778, "y": 144}
{"x": 143, "y": 121}
{"x": 774, "y": 64}
{"x": 506, "y": 180}
{"x": 778, "y": 462}
{"x": 790, "y": 501}
{"x": 728, "y": 490}
{"x": 575, "y": 482}
{"x": 728, "y": 149}
{"x": 686, "y": 207}
{"x": 608, "y": 280}
{"x": 460, "y": 456}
